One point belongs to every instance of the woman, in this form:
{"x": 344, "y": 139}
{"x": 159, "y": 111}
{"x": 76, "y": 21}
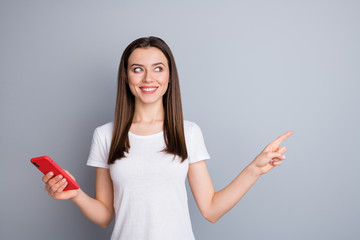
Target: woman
{"x": 143, "y": 157}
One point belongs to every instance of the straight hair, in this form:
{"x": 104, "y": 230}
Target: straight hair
{"x": 174, "y": 136}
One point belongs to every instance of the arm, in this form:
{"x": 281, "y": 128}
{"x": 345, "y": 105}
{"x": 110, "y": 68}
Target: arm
{"x": 99, "y": 209}
{"x": 213, "y": 205}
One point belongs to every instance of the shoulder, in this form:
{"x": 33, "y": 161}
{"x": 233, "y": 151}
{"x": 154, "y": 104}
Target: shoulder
{"x": 195, "y": 142}
{"x": 105, "y": 131}
{"x": 106, "y": 127}
{"x": 100, "y": 146}
{"x": 191, "y": 127}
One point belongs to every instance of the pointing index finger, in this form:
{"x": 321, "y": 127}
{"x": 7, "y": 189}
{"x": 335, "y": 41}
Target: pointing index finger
{"x": 282, "y": 138}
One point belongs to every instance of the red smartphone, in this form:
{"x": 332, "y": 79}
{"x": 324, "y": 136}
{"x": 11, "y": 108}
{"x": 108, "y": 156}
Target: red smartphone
{"x": 45, "y": 164}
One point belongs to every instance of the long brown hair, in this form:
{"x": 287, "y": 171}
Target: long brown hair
{"x": 125, "y": 105}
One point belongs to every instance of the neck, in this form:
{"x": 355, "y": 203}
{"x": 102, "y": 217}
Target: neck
{"x": 148, "y": 112}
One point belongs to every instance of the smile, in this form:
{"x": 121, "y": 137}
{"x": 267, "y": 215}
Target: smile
{"x": 148, "y": 90}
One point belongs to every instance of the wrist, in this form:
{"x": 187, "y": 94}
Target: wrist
{"x": 76, "y": 198}
{"x": 254, "y": 170}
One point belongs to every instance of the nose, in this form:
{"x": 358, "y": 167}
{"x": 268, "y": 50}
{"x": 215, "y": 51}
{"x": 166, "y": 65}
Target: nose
{"x": 147, "y": 77}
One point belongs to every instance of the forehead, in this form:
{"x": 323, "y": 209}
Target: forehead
{"x": 148, "y": 55}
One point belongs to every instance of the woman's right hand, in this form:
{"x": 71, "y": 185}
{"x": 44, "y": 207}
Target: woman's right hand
{"x": 55, "y": 186}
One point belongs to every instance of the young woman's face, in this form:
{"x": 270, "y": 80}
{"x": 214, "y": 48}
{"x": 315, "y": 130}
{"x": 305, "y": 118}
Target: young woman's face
{"x": 148, "y": 74}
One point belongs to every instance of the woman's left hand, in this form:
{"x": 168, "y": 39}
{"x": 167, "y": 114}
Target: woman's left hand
{"x": 271, "y": 156}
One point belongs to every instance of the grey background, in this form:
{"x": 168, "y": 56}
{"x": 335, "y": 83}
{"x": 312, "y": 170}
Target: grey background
{"x": 249, "y": 71}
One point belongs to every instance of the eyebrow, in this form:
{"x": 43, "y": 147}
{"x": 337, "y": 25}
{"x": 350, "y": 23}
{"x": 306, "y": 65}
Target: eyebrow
{"x": 136, "y": 64}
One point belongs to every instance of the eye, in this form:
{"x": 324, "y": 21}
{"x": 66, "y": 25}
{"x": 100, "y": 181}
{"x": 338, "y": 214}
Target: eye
{"x": 158, "y": 69}
{"x": 137, "y": 69}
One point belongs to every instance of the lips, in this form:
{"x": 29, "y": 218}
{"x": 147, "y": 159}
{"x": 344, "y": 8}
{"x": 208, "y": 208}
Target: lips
{"x": 149, "y": 89}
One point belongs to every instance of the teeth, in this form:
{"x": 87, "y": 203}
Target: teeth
{"x": 148, "y": 89}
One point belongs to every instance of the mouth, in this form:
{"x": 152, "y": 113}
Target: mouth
{"x": 148, "y": 90}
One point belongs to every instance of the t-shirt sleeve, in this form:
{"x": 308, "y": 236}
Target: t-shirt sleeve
{"x": 98, "y": 155}
{"x": 198, "y": 149}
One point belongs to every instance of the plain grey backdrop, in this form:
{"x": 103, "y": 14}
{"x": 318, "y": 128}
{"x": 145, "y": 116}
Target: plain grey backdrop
{"x": 249, "y": 71}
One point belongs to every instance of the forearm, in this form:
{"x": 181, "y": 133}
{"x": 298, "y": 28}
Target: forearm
{"x": 93, "y": 209}
{"x": 225, "y": 199}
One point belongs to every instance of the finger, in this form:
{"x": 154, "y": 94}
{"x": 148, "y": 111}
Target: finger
{"x": 275, "y": 144}
{"x": 277, "y": 163}
{"x": 275, "y": 155}
{"x": 281, "y": 149}
{"x": 53, "y": 181}
{"x": 62, "y": 187}
{"x": 274, "y": 160}
{"x": 54, "y": 188}
{"x": 47, "y": 176}
{"x": 282, "y": 138}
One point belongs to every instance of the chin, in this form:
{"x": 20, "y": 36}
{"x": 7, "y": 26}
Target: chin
{"x": 150, "y": 101}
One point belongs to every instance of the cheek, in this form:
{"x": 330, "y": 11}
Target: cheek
{"x": 131, "y": 79}
{"x": 165, "y": 84}
{"x": 164, "y": 81}
{"x": 132, "y": 84}
{"x": 132, "y": 89}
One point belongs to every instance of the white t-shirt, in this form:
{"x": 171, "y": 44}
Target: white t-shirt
{"x": 150, "y": 198}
